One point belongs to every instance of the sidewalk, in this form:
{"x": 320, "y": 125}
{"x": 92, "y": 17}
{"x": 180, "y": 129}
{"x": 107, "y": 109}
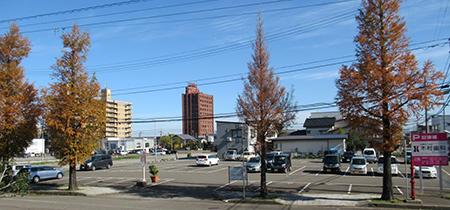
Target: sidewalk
{"x": 334, "y": 200}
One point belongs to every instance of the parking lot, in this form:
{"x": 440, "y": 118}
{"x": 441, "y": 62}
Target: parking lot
{"x": 184, "y": 178}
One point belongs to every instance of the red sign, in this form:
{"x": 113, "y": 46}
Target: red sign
{"x": 429, "y": 149}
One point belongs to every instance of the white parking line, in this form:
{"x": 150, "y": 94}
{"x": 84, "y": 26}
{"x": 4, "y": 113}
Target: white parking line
{"x": 373, "y": 174}
{"x": 304, "y": 188}
{"x": 319, "y": 172}
{"x": 225, "y": 185}
{"x": 446, "y": 172}
{"x": 260, "y": 187}
{"x": 297, "y": 170}
{"x": 157, "y": 183}
{"x": 401, "y": 174}
{"x": 349, "y": 189}
{"x": 398, "y": 189}
{"x": 346, "y": 171}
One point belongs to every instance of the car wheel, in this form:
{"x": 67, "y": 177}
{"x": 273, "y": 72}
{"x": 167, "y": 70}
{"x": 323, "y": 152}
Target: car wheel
{"x": 108, "y": 166}
{"x": 36, "y": 179}
{"x": 59, "y": 176}
{"x": 93, "y": 168}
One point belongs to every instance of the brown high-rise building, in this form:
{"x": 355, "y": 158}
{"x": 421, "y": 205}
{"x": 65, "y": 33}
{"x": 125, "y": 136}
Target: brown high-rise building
{"x": 198, "y": 112}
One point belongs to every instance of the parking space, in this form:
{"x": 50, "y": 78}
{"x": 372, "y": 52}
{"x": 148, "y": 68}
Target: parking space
{"x": 305, "y": 177}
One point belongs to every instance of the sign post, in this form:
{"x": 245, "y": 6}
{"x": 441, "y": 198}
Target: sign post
{"x": 429, "y": 149}
{"x": 143, "y": 163}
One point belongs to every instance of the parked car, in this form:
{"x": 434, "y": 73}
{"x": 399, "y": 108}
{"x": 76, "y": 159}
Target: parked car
{"x": 427, "y": 171}
{"x": 232, "y": 155}
{"x": 135, "y": 151}
{"x": 253, "y": 164}
{"x": 269, "y": 158}
{"x": 394, "y": 165}
{"x": 247, "y": 155}
{"x": 347, "y": 156}
{"x": 171, "y": 152}
{"x": 331, "y": 163}
{"x": 207, "y": 160}
{"x": 25, "y": 155}
{"x": 97, "y": 161}
{"x": 16, "y": 168}
{"x": 158, "y": 152}
{"x": 358, "y": 165}
{"x": 38, "y": 173}
{"x": 370, "y": 154}
{"x": 282, "y": 163}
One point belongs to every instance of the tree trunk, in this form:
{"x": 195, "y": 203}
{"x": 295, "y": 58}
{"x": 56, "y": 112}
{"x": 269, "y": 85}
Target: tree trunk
{"x": 73, "y": 177}
{"x": 263, "y": 193}
{"x": 388, "y": 192}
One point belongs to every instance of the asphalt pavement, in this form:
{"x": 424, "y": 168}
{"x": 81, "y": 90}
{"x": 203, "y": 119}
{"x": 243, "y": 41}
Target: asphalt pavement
{"x": 231, "y": 194}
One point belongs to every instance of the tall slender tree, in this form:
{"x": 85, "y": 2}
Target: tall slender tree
{"x": 385, "y": 86}
{"x": 264, "y": 104}
{"x": 75, "y": 116}
{"x": 20, "y": 106}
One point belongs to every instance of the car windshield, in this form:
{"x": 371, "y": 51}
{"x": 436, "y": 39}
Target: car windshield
{"x": 331, "y": 160}
{"x": 369, "y": 152}
{"x": 358, "y": 161}
{"x": 230, "y": 152}
{"x": 279, "y": 159}
{"x": 254, "y": 160}
{"x": 90, "y": 159}
{"x": 348, "y": 153}
{"x": 202, "y": 157}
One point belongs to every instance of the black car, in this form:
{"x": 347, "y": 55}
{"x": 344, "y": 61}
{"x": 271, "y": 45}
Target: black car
{"x": 281, "y": 163}
{"x": 331, "y": 163}
{"x": 347, "y": 157}
{"x": 97, "y": 161}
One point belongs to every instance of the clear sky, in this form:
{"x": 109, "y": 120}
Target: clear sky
{"x": 147, "y": 51}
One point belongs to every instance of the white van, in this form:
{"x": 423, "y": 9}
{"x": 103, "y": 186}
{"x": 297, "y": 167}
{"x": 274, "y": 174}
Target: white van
{"x": 370, "y": 154}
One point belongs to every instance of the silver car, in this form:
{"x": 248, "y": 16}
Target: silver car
{"x": 253, "y": 164}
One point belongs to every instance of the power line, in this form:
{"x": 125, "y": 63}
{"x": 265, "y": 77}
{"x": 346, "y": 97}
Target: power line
{"x": 84, "y": 9}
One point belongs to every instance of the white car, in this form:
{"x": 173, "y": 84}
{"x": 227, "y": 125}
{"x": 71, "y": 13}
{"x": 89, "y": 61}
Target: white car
{"x": 358, "y": 165}
{"x": 247, "y": 155}
{"x": 427, "y": 171}
{"x": 207, "y": 160}
{"x": 394, "y": 165}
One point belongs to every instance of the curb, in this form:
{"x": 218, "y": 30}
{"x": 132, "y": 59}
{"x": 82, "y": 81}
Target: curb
{"x": 247, "y": 200}
{"x": 408, "y": 206}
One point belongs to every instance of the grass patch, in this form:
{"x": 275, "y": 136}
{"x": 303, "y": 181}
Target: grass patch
{"x": 126, "y": 157}
{"x": 378, "y": 200}
{"x": 446, "y": 196}
{"x": 268, "y": 198}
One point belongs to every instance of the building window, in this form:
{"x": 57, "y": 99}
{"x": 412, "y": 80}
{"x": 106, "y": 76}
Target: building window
{"x": 236, "y": 133}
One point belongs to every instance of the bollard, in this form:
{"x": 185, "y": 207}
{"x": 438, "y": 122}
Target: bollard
{"x": 413, "y": 182}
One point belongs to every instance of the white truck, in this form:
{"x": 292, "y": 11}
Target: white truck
{"x": 232, "y": 154}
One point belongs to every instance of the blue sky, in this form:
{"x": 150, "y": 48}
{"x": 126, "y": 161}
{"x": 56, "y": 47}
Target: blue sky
{"x": 147, "y": 52}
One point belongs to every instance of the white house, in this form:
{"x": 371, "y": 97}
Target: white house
{"x": 310, "y": 144}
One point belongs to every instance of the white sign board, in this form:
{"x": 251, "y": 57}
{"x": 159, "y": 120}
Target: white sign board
{"x": 237, "y": 173}
{"x": 429, "y": 149}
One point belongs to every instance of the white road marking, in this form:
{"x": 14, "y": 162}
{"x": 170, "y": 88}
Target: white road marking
{"x": 401, "y": 174}
{"x": 304, "y": 187}
{"x": 225, "y": 185}
{"x": 260, "y": 187}
{"x": 220, "y": 169}
{"x": 97, "y": 180}
{"x": 349, "y": 189}
{"x": 446, "y": 172}
{"x": 297, "y": 170}
{"x": 346, "y": 171}
{"x": 123, "y": 180}
{"x": 398, "y": 189}
{"x": 373, "y": 174}
{"x": 319, "y": 172}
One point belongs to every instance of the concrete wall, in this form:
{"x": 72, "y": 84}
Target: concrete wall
{"x": 309, "y": 146}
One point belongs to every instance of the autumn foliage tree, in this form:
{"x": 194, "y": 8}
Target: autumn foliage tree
{"x": 20, "y": 107}
{"x": 75, "y": 116}
{"x": 385, "y": 86}
{"x": 264, "y": 104}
